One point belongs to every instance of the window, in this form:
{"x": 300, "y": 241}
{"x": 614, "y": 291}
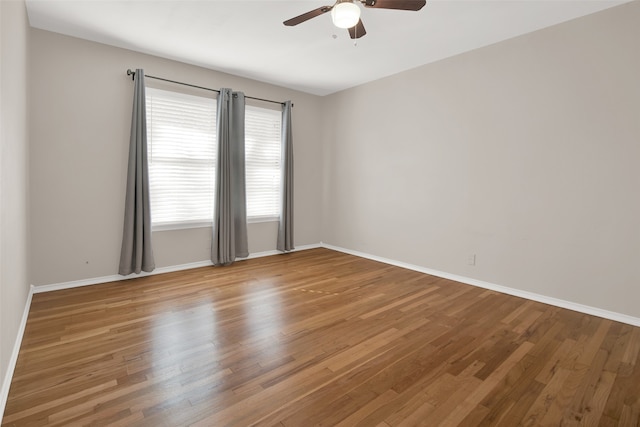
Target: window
{"x": 181, "y": 139}
{"x": 262, "y": 157}
{"x": 181, "y": 131}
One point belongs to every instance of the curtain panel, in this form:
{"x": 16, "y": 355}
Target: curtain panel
{"x": 136, "y": 254}
{"x": 285, "y": 227}
{"x": 229, "y": 239}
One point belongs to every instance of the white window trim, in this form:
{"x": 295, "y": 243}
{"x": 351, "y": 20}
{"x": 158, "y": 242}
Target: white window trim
{"x": 168, "y": 226}
{"x": 263, "y": 218}
{"x": 183, "y": 225}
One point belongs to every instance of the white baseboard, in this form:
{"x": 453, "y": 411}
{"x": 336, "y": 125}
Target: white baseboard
{"x": 297, "y": 249}
{"x": 6, "y": 383}
{"x": 594, "y": 311}
{"x": 116, "y": 277}
{"x": 160, "y": 270}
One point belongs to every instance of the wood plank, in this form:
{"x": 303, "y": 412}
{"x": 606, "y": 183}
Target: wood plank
{"x": 317, "y": 337}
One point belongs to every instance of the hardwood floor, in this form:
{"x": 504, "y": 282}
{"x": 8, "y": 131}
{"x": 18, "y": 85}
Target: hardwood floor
{"x": 317, "y": 338}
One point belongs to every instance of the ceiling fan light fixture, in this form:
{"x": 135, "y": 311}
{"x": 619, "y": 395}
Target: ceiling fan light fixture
{"x": 345, "y": 14}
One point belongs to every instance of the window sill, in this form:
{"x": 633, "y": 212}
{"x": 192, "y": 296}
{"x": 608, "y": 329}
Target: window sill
{"x": 180, "y": 225}
{"x": 207, "y": 224}
{"x": 257, "y": 219}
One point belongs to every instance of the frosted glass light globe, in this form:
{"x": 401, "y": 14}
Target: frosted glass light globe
{"x": 345, "y": 15}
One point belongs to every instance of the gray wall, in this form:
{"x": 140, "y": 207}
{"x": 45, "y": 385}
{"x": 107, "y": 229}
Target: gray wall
{"x": 525, "y": 153}
{"x": 81, "y": 113}
{"x": 14, "y": 150}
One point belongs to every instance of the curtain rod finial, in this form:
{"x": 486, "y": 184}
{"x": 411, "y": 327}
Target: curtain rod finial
{"x": 131, "y": 73}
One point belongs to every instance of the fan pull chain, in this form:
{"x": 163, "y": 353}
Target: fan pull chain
{"x": 355, "y": 40}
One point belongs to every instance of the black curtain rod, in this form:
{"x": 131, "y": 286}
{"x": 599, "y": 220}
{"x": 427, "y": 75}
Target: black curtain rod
{"x": 133, "y": 74}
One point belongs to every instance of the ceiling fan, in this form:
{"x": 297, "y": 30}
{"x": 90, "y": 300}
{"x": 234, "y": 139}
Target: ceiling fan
{"x": 346, "y": 13}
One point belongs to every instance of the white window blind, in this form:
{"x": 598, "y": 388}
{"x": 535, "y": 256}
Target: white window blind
{"x": 181, "y": 132}
{"x": 182, "y": 148}
{"x": 262, "y": 154}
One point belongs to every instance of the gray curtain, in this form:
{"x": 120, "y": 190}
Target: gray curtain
{"x": 136, "y": 254}
{"x": 229, "y": 238}
{"x": 285, "y": 228}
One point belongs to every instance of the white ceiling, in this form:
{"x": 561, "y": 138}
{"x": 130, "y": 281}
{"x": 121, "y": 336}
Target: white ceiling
{"x": 247, "y": 38}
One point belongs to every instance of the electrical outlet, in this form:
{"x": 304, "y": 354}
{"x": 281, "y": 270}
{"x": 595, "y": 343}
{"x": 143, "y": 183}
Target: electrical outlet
{"x": 472, "y": 259}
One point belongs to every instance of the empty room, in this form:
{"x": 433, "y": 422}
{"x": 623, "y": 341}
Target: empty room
{"x": 298, "y": 213}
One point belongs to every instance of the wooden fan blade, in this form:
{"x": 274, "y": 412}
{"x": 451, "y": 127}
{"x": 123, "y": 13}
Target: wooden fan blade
{"x": 395, "y": 4}
{"x": 306, "y": 16}
{"x": 357, "y": 30}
